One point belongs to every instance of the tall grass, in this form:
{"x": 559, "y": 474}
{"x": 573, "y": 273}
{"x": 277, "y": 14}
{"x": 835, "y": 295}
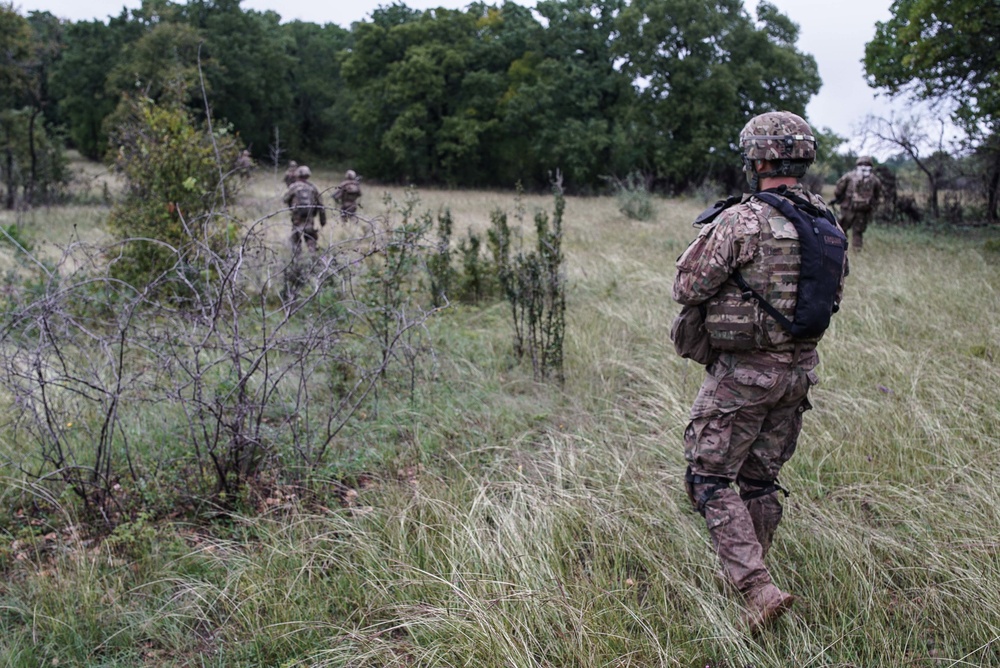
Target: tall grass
{"x": 495, "y": 521}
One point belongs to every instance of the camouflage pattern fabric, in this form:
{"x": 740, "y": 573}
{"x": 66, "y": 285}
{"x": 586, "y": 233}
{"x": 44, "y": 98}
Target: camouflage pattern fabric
{"x": 305, "y": 202}
{"x": 744, "y": 426}
{"x": 348, "y": 193}
{"x": 858, "y": 191}
{"x": 745, "y": 422}
{"x": 756, "y": 239}
{"x": 244, "y": 164}
{"x": 290, "y": 176}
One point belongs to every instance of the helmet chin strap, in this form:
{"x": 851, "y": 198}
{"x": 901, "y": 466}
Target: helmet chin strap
{"x": 750, "y": 171}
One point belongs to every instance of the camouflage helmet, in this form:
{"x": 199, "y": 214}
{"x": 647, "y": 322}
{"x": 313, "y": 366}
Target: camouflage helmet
{"x": 303, "y": 172}
{"x": 777, "y": 136}
{"x": 864, "y": 160}
{"x": 350, "y": 174}
{"x": 783, "y": 139}
{"x": 292, "y": 164}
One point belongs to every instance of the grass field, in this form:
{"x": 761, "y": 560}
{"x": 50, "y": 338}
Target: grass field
{"x": 491, "y": 520}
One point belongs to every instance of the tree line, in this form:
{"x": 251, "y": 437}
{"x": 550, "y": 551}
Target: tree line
{"x": 486, "y": 96}
{"x": 480, "y": 97}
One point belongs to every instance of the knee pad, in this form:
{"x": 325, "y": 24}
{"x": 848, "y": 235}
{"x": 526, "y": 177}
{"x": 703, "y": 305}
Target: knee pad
{"x": 764, "y": 487}
{"x": 701, "y": 488}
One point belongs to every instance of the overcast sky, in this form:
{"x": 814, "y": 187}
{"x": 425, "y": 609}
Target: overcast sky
{"x": 835, "y": 33}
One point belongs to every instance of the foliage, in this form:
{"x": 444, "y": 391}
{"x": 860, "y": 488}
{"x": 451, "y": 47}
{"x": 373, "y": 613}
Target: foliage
{"x": 634, "y": 198}
{"x": 439, "y": 267}
{"x": 175, "y": 192}
{"x": 134, "y": 406}
{"x": 945, "y": 51}
{"x": 79, "y": 84}
{"x": 31, "y": 160}
{"x": 319, "y": 117}
{"x": 30, "y": 149}
{"x": 249, "y": 67}
{"x": 940, "y": 49}
{"x": 497, "y": 520}
{"x": 534, "y": 285}
{"x": 487, "y": 95}
{"x": 706, "y": 67}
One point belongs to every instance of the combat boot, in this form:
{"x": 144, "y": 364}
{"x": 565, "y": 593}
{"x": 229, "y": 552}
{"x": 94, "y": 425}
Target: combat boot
{"x": 765, "y": 604}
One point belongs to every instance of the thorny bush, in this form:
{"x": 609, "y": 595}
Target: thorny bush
{"x": 129, "y": 398}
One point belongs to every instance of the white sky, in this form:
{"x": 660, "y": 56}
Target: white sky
{"x": 833, "y": 31}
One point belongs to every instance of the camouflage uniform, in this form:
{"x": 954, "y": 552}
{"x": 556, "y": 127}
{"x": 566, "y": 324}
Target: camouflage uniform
{"x": 290, "y": 173}
{"x": 244, "y": 164}
{"x": 306, "y": 203}
{"x": 746, "y": 419}
{"x": 858, "y": 192}
{"x": 348, "y": 193}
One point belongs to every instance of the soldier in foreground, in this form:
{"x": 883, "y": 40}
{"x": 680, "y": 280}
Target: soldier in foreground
{"x": 764, "y": 293}
{"x": 305, "y": 202}
{"x": 291, "y": 174}
{"x": 857, "y": 192}
{"x": 348, "y": 193}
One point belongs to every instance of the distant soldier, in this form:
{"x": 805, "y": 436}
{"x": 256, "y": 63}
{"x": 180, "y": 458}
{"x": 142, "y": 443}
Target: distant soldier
{"x": 244, "y": 164}
{"x": 857, "y": 192}
{"x": 305, "y": 202}
{"x": 291, "y": 174}
{"x": 348, "y": 193}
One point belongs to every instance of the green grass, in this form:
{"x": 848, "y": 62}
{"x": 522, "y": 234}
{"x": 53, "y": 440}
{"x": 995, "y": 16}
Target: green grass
{"x": 493, "y": 521}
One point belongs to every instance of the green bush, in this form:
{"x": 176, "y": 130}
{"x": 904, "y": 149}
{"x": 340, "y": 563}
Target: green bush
{"x": 634, "y": 198}
{"x": 175, "y": 197}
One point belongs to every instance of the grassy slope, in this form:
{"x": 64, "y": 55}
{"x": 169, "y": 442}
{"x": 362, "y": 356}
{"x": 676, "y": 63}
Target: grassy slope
{"x": 511, "y": 524}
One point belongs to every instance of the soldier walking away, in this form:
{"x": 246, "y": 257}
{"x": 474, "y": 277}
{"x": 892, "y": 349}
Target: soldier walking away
{"x": 348, "y": 193}
{"x": 303, "y": 198}
{"x": 244, "y": 164}
{"x": 766, "y": 272}
{"x": 291, "y": 174}
{"x": 857, "y": 192}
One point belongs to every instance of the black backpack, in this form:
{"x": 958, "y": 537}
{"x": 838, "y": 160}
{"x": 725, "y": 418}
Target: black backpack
{"x": 822, "y": 247}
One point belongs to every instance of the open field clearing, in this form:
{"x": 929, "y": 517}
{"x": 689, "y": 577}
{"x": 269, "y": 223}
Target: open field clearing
{"x": 481, "y": 518}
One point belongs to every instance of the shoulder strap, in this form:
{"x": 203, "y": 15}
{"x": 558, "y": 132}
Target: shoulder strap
{"x": 712, "y": 212}
{"x": 749, "y": 293}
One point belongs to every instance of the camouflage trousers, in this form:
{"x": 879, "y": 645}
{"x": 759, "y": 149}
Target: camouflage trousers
{"x": 304, "y": 229}
{"x": 855, "y": 220}
{"x": 744, "y": 426}
{"x": 348, "y": 209}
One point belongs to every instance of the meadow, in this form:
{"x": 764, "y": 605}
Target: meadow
{"x": 487, "y": 519}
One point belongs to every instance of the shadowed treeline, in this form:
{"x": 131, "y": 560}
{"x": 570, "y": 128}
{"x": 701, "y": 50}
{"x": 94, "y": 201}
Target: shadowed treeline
{"x": 484, "y": 96}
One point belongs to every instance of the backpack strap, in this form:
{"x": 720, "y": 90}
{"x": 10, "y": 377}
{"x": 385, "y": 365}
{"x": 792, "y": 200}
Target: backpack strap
{"x": 749, "y": 293}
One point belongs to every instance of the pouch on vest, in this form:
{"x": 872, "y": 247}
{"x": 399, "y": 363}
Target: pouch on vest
{"x": 822, "y": 247}
{"x": 690, "y": 336}
{"x": 303, "y": 204}
{"x": 863, "y": 193}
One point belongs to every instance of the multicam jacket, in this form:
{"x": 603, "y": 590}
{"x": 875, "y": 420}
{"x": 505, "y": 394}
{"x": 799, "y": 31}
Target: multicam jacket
{"x": 348, "y": 192}
{"x": 858, "y": 189}
{"x": 764, "y": 245}
{"x": 306, "y": 203}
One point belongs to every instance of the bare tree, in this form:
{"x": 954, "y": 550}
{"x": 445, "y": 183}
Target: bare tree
{"x": 928, "y": 150}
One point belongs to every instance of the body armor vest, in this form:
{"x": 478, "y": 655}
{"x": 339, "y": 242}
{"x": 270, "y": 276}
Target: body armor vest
{"x": 737, "y": 324}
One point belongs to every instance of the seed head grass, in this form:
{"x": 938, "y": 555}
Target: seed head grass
{"x": 504, "y": 522}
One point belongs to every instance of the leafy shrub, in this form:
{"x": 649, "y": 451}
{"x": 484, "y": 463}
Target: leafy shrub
{"x": 535, "y": 287}
{"x": 634, "y": 198}
{"x": 175, "y": 193}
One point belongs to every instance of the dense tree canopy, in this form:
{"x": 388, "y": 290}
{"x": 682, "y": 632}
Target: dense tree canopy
{"x": 485, "y": 96}
{"x": 946, "y": 50}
